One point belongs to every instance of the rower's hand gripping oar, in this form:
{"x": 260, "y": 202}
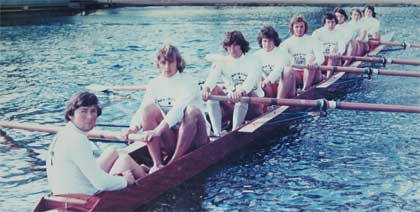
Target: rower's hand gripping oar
{"x": 367, "y": 71}
{"x": 324, "y": 104}
{"x": 93, "y": 134}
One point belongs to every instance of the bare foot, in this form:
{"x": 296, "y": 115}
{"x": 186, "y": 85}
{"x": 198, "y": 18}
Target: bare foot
{"x": 155, "y": 168}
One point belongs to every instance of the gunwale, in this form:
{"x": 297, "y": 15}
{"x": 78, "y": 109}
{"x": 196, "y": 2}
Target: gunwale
{"x": 189, "y": 165}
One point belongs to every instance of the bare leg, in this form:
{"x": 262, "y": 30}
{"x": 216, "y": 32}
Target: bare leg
{"x": 332, "y": 62}
{"x": 192, "y": 132}
{"x": 308, "y": 78}
{"x": 152, "y": 116}
{"x": 125, "y": 163}
{"x": 107, "y": 159}
{"x": 254, "y": 110}
{"x": 287, "y": 84}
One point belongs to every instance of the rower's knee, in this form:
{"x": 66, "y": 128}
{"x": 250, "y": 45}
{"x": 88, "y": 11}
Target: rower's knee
{"x": 151, "y": 110}
{"x": 125, "y": 158}
{"x": 192, "y": 112}
{"x": 151, "y": 116}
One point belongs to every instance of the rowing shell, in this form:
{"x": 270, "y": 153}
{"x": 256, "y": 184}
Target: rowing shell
{"x": 189, "y": 165}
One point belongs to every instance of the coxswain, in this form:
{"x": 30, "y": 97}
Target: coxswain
{"x": 71, "y": 166}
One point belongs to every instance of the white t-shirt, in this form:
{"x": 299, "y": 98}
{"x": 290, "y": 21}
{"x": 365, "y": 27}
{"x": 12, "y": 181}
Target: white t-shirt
{"x": 72, "y": 168}
{"x": 274, "y": 62}
{"x": 302, "y": 48}
{"x": 371, "y": 25}
{"x": 330, "y": 39}
{"x": 344, "y": 29}
{"x": 172, "y": 95}
{"x": 244, "y": 72}
{"x": 354, "y": 29}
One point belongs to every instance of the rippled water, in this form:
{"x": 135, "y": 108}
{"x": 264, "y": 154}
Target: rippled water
{"x": 347, "y": 161}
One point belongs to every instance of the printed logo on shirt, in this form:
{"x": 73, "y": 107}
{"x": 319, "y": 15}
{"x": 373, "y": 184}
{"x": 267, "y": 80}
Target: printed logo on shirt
{"x": 328, "y": 47}
{"x": 299, "y": 59}
{"x": 165, "y": 104}
{"x": 267, "y": 69}
{"x": 238, "y": 78}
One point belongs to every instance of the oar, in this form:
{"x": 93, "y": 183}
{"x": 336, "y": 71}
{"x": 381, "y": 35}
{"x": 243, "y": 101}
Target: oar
{"x": 324, "y": 104}
{"x": 368, "y": 71}
{"x": 402, "y": 44}
{"x": 93, "y": 134}
{"x": 382, "y": 60}
{"x": 103, "y": 88}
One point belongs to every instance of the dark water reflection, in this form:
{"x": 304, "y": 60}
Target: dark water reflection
{"x": 347, "y": 161}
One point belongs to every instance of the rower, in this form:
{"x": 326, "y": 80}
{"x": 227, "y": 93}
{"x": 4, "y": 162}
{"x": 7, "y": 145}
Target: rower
{"x": 277, "y": 74}
{"x": 358, "y": 46}
{"x": 71, "y": 166}
{"x": 331, "y": 40}
{"x": 342, "y": 18}
{"x": 371, "y": 24}
{"x": 171, "y": 113}
{"x": 305, "y": 51}
{"x": 241, "y": 76}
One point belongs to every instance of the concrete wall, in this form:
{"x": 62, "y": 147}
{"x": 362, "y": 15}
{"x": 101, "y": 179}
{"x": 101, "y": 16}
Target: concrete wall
{"x": 33, "y": 3}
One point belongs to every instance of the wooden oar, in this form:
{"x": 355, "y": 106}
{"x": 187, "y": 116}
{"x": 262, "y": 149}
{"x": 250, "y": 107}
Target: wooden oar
{"x": 368, "y": 71}
{"x": 402, "y": 44}
{"x": 324, "y": 104}
{"x": 103, "y": 88}
{"x": 93, "y": 134}
{"x": 382, "y": 60}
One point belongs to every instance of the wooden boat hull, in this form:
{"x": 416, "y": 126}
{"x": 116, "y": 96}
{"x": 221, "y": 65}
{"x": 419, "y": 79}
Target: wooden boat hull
{"x": 196, "y": 161}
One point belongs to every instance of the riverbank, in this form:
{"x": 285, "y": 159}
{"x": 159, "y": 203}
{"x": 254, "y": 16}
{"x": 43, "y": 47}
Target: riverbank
{"x": 263, "y": 2}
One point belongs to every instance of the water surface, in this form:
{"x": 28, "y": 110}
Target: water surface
{"x": 347, "y": 161}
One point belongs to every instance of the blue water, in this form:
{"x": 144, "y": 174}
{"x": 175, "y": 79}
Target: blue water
{"x": 347, "y": 161}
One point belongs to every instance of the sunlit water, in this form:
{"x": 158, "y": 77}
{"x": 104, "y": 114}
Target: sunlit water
{"x": 347, "y": 161}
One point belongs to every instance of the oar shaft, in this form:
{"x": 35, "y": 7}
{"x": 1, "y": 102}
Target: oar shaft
{"x": 321, "y": 103}
{"x": 366, "y": 71}
{"x": 377, "y": 107}
{"x": 93, "y": 134}
{"x": 129, "y": 88}
{"x": 29, "y": 127}
{"x": 402, "y": 44}
{"x": 381, "y": 60}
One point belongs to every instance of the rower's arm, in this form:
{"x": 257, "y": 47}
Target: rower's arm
{"x": 213, "y": 76}
{"x": 254, "y": 76}
{"x": 186, "y": 94}
{"x": 317, "y": 51}
{"x": 285, "y": 61}
{"x": 81, "y": 155}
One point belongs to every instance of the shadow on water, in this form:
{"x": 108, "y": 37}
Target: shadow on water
{"x": 41, "y": 17}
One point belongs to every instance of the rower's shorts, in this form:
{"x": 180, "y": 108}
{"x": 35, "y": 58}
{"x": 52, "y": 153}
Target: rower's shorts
{"x": 373, "y": 46}
{"x": 274, "y": 87}
{"x": 299, "y": 73}
{"x": 325, "y": 61}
